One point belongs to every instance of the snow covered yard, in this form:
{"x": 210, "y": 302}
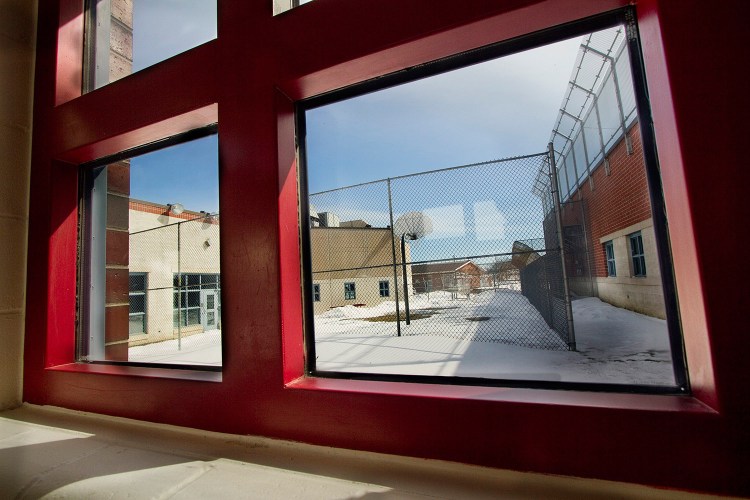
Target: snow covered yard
{"x": 201, "y": 349}
{"x": 614, "y": 345}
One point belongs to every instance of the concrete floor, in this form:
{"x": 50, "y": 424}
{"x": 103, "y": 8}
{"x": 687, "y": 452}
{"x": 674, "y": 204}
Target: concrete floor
{"x": 48, "y": 452}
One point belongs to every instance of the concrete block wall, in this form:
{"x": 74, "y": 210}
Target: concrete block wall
{"x": 17, "y": 44}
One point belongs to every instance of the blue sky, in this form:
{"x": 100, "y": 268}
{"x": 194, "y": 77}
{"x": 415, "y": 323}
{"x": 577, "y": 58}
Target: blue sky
{"x": 501, "y": 108}
{"x": 187, "y": 173}
{"x": 164, "y": 28}
{"x": 496, "y": 109}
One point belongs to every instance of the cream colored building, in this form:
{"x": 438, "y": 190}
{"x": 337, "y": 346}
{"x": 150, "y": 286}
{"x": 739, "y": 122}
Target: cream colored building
{"x": 353, "y": 265}
{"x": 165, "y": 249}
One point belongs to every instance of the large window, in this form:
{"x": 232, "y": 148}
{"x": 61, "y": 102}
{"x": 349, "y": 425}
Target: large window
{"x": 404, "y": 186}
{"x": 161, "y": 235}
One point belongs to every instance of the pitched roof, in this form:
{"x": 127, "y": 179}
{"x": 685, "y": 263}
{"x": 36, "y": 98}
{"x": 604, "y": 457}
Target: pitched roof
{"x": 438, "y": 267}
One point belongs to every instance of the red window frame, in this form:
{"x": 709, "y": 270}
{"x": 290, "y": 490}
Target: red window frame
{"x": 248, "y": 80}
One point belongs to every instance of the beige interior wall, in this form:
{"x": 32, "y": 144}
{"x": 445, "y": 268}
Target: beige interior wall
{"x": 17, "y": 41}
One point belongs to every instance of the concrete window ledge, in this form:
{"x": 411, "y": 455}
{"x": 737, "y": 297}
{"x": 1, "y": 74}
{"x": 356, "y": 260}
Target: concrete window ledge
{"x": 54, "y": 453}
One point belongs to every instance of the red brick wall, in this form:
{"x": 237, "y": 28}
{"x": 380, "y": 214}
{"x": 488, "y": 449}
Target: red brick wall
{"x": 617, "y": 200}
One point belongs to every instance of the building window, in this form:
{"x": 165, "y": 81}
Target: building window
{"x": 137, "y": 287}
{"x": 126, "y": 36}
{"x": 350, "y": 291}
{"x": 438, "y": 233}
{"x": 609, "y": 251}
{"x": 316, "y": 292}
{"x": 636, "y": 254}
{"x": 198, "y": 303}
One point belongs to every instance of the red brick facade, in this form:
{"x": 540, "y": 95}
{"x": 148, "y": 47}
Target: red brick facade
{"x": 616, "y": 200}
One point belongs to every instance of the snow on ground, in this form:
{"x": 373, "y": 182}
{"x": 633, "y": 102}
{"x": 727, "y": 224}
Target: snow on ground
{"x": 201, "y": 349}
{"x": 491, "y": 316}
{"x": 613, "y": 345}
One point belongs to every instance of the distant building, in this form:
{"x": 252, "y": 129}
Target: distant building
{"x": 454, "y": 276}
{"x": 353, "y": 264}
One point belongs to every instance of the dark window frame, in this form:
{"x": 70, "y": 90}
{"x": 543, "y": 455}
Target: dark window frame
{"x": 609, "y": 256}
{"x": 316, "y": 292}
{"x": 384, "y": 288}
{"x": 637, "y": 255}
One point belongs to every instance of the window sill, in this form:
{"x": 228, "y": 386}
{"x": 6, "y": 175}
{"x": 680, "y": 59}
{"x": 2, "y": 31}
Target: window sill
{"x": 140, "y": 371}
{"x": 618, "y": 401}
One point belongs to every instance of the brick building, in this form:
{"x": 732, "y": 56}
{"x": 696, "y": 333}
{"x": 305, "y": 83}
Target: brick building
{"x": 617, "y": 262}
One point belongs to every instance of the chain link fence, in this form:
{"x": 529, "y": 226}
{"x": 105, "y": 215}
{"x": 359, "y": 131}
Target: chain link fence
{"x": 175, "y": 290}
{"x": 448, "y": 253}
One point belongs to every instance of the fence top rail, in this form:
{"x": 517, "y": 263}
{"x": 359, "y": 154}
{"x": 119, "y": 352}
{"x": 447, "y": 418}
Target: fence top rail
{"x": 458, "y": 167}
{"x": 203, "y": 216}
{"x": 433, "y": 261}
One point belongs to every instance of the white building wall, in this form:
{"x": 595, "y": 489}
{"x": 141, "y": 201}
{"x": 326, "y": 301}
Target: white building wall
{"x": 154, "y": 251}
{"x": 639, "y": 294}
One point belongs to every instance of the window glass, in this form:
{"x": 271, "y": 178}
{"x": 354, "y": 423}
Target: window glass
{"x": 637, "y": 254}
{"x": 125, "y": 36}
{"x": 434, "y": 199}
{"x": 610, "y": 254}
{"x": 350, "y": 292}
{"x": 161, "y": 236}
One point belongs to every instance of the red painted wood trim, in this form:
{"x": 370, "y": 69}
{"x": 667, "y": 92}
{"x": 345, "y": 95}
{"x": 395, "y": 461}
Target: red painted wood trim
{"x": 259, "y": 59}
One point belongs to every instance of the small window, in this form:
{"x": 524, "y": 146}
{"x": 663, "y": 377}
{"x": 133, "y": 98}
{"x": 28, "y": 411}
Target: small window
{"x": 609, "y": 251}
{"x": 137, "y": 300}
{"x": 350, "y": 291}
{"x": 636, "y": 254}
{"x": 316, "y": 292}
{"x": 385, "y": 290}
{"x": 150, "y": 224}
